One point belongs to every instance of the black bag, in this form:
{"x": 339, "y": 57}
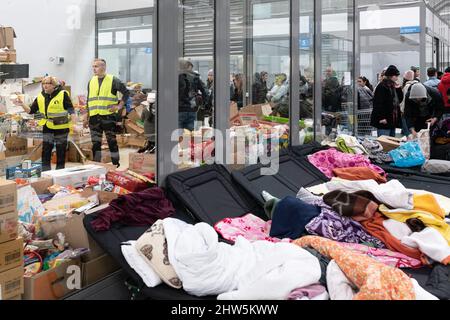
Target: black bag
{"x": 59, "y": 121}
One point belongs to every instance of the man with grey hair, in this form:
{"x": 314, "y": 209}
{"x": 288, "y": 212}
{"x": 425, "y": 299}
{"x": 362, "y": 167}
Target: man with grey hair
{"x": 104, "y": 108}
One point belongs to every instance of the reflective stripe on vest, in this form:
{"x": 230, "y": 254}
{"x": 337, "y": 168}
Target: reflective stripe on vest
{"x": 55, "y": 110}
{"x": 101, "y": 99}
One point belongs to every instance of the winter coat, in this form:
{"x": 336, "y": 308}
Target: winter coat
{"x": 384, "y": 106}
{"x": 365, "y": 98}
{"x": 444, "y": 88}
{"x": 416, "y": 115}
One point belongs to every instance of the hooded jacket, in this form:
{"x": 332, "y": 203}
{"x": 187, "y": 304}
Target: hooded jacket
{"x": 444, "y": 88}
{"x": 416, "y": 114}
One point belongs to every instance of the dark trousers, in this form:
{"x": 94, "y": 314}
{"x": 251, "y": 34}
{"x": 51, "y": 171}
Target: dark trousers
{"x": 50, "y": 138}
{"x": 107, "y": 124}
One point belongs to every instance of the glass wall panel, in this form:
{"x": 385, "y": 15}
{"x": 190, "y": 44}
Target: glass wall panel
{"x": 306, "y": 93}
{"x": 196, "y": 82}
{"x": 337, "y": 67}
{"x": 259, "y": 81}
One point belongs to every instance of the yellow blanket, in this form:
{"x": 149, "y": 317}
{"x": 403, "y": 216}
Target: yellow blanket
{"x": 427, "y": 209}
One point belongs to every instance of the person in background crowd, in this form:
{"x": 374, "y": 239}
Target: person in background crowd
{"x": 279, "y": 96}
{"x": 408, "y": 81}
{"x": 444, "y": 89}
{"x": 210, "y": 93}
{"x": 423, "y": 105}
{"x": 416, "y": 71}
{"x": 386, "y": 114}
{"x": 259, "y": 88}
{"x": 306, "y": 95}
{"x": 55, "y": 107}
{"x": 149, "y": 118}
{"x": 237, "y": 90}
{"x": 380, "y": 78}
{"x": 439, "y": 75}
{"x": 433, "y": 80}
{"x": 367, "y": 83}
{"x": 332, "y": 92}
{"x": 192, "y": 94}
{"x": 104, "y": 109}
{"x": 365, "y": 95}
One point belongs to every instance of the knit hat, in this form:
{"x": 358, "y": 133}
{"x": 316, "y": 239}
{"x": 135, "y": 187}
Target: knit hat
{"x": 392, "y": 71}
{"x": 152, "y": 246}
{"x": 418, "y": 91}
{"x": 409, "y": 75}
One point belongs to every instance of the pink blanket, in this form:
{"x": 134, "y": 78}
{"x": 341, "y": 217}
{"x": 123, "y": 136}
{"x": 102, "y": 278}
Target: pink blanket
{"x": 328, "y": 160}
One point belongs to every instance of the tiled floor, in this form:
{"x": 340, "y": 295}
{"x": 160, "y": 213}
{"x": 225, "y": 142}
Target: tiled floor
{"x": 124, "y": 159}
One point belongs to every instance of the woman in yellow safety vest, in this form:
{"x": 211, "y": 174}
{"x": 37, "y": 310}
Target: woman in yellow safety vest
{"x": 55, "y": 108}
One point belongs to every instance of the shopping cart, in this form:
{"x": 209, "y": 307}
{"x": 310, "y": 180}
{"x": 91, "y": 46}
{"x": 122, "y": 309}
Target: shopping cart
{"x": 363, "y": 127}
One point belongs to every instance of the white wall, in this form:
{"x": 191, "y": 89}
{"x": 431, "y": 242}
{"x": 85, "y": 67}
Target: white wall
{"x": 49, "y": 28}
{"x": 119, "y": 5}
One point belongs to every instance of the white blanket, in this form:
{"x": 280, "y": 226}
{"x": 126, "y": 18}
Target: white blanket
{"x": 393, "y": 193}
{"x": 430, "y": 242}
{"x": 339, "y": 286}
{"x": 243, "y": 271}
{"x": 397, "y": 229}
{"x": 143, "y": 269}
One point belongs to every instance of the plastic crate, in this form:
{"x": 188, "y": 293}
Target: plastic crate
{"x": 364, "y": 128}
{"x": 17, "y": 172}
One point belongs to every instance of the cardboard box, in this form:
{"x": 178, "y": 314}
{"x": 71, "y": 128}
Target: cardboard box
{"x": 77, "y": 237}
{"x": 142, "y": 163}
{"x": 11, "y": 255}
{"x": 8, "y": 56}
{"x": 7, "y": 35}
{"x": 41, "y": 185}
{"x": 133, "y": 128}
{"x": 9, "y": 226}
{"x": 16, "y": 146}
{"x": 137, "y": 141}
{"x": 136, "y": 114}
{"x": 389, "y": 143}
{"x": 261, "y": 110}
{"x": 98, "y": 269}
{"x": 89, "y": 155}
{"x": 53, "y": 284}
{"x": 122, "y": 140}
{"x": 107, "y": 166}
{"x": 11, "y": 284}
{"x": 35, "y": 153}
{"x": 2, "y": 156}
{"x": 74, "y": 176}
{"x": 8, "y": 196}
{"x": 243, "y": 119}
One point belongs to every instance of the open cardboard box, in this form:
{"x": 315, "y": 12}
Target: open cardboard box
{"x": 53, "y": 284}
{"x": 389, "y": 143}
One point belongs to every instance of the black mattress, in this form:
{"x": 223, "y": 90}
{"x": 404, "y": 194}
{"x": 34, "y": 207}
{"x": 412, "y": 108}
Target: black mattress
{"x": 209, "y": 194}
{"x": 294, "y": 173}
{"x": 111, "y": 241}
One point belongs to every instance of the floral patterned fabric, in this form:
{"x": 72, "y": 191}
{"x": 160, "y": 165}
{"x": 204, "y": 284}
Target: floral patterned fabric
{"x": 375, "y": 280}
{"x": 387, "y": 257}
{"x": 250, "y": 227}
{"x": 328, "y": 160}
{"x": 331, "y": 225}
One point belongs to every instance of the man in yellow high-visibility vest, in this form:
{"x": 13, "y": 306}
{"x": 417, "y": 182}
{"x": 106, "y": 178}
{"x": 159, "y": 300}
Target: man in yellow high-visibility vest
{"x": 104, "y": 108}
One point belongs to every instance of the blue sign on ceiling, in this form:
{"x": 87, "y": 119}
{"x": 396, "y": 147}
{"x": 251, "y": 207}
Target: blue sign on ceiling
{"x": 149, "y": 50}
{"x": 410, "y": 30}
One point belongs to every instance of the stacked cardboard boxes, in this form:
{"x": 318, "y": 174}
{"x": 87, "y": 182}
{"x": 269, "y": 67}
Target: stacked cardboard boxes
{"x": 11, "y": 247}
{"x": 7, "y": 49}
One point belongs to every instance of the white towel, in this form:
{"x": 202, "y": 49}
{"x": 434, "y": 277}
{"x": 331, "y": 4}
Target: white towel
{"x": 430, "y": 242}
{"x": 393, "y": 193}
{"x": 397, "y": 229}
{"x": 339, "y": 286}
{"x": 135, "y": 260}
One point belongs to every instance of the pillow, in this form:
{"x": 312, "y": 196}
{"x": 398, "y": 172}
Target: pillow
{"x": 436, "y": 166}
{"x": 152, "y": 246}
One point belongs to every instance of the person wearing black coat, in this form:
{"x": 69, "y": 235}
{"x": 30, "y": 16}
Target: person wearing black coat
{"x": 423, "y": 105}
{"x": 386, "y": 114}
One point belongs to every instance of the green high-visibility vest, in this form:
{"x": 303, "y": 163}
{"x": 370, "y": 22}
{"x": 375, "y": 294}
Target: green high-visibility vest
{"x": 101, "y": 99}
{"x": 55, "y": 110}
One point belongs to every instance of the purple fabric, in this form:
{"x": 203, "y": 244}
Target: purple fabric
{"x": 308, "y": 292}
{"x": 136, "y": 209}
{"x": 331, "y": 225}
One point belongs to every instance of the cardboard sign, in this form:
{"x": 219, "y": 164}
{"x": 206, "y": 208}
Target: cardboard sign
{"x": 16, "y": 146}
{"x": 7, "y": 35}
